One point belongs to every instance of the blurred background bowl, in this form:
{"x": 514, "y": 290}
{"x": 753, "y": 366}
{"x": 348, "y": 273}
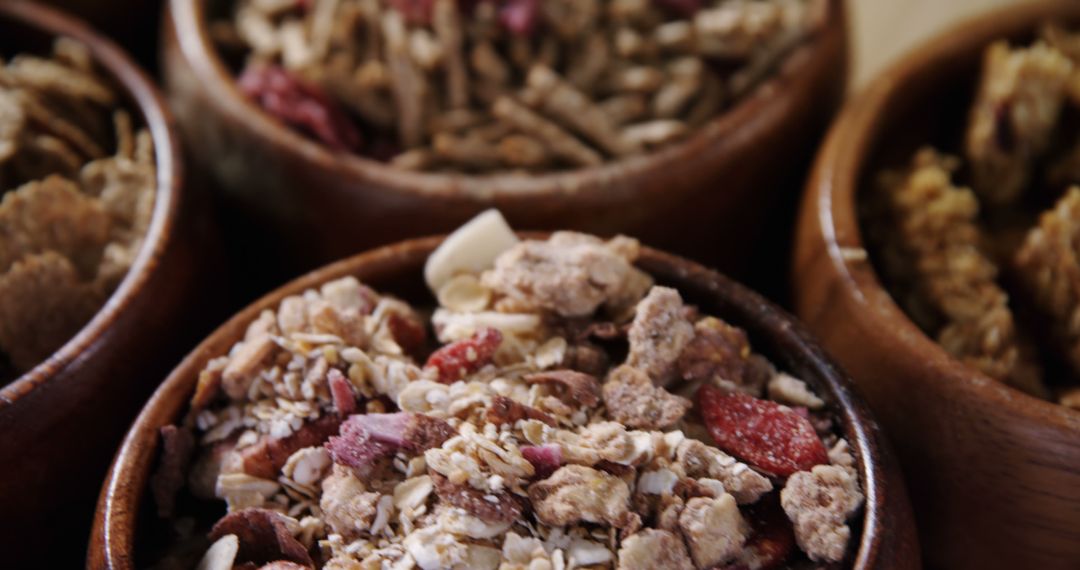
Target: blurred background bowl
{"x": 718, "y": 196}
{"x": 994, "y": 473}
{"x": 61, "y": 421}
{"x": 127, "y": 531}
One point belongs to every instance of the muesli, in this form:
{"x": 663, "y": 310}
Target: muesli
{"x": 575, "y": 415}
{"x": 496, "y": 85}
{"x": 960, "y": 239}
{"x": 77, "y": 180}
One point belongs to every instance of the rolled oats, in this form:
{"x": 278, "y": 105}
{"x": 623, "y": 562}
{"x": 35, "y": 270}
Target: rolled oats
{"x": 502, "y": 456}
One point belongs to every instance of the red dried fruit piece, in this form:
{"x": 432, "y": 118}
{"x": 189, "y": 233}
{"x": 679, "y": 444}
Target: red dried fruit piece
{"x": 504, "y": 410}
{"x": 763, "y": 433}
{"x": 264, "y": 537}
{"x": 546, "y": 459}
{"x": 300, "y": 105}
{"x": 577, "y": 387}
{"x": 367, "y": 439}
{"x": 458, "y": 359}
{"x": 520, "y": 17}
{"x": 266, "y": 457}
{"x": 416, "y": 12}
{"x": 408, "y": 332}
{"x": 342, "y": 392}
{"x": 683, "y": 8}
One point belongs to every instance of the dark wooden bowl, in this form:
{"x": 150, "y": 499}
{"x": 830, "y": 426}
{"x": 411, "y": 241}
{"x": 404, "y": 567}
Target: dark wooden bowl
{"x": 130, "y": 23}
{"x": 887, "y": 540}
{"x": 60, "y": 422}
{"x": 994, "y": 473}
{"x": 710, "y": 196}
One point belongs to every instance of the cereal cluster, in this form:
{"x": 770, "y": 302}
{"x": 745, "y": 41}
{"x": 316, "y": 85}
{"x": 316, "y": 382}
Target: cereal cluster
{"x": 551, "y": 428}
{"x": 978, "y": 267}
{"x": 77, "y": 183}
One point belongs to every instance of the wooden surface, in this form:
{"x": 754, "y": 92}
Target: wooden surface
{"x": 994, "y": 473}
{"x": 888, "y": 537}
{"x": 882, "y": 30}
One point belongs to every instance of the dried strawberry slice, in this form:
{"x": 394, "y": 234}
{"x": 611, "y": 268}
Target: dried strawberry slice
{"x": 763, "y": 433}
{"x": 300, "y": 105}
{"x": 458, "y": 359}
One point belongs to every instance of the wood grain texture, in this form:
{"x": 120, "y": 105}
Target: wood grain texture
{"x": 994, "y": 473}
{"x": 887, "y": 539}
{"x": 715, "y": 188}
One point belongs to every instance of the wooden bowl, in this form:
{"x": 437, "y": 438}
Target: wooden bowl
{"x": 61, "y": 420}
{"x": 710, "y": 196}
{"x": 994, "y": 473}
{"x": 130, "y": 23}
{"x": 887, "y": 540}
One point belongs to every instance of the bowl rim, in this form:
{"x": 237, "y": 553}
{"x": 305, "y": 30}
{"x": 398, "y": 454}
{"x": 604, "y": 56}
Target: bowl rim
{"x": 144, "y": 99}
{"x": 116, "y": 519}
{"x": 760, "y": 109}
{"x": 834, "y": 184}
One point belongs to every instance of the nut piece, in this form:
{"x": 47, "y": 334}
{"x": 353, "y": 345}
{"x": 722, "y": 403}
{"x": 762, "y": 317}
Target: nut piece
{"x": 652, "y": 549}
{"x": 472, "y": 248}
{"x": 221, "y": 554}
{"x": 244, "y": 362}
{"x": 632, "y": 400}
{"x": 576, "y": 493}
{"x": 570, "y": 274}
{"x": 787, "y": 389}
{"x": 714, "y": 529}
{"x": 819, "y": 502}
{"x": 347, "y": 506}
{"x": 659, "y": 334}
{"x": 699, "y": 460}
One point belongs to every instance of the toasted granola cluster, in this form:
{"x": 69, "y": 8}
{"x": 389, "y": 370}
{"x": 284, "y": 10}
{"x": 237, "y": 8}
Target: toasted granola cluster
{"x": 77, "y": 184}
{"x": 501, "y": 450}
{"x": 966, "y": 263}
{"x": 493, "y": 85}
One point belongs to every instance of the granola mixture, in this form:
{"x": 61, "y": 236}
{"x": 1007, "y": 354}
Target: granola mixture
{"x": 77, "y": 183}
{"x": 496, "y": 85}
{"x": 550, "y": 429}
{"x": 960, "y": 239}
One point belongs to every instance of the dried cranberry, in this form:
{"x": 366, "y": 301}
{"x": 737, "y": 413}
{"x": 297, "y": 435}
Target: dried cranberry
{"x": 367, "y": 439}
{"x": 458, "y": 359}
{"x": 765, "y": 434}
{"x": 520, "y": 17}
{"x": 300, "y": 105}
{"x": 546, "y": 459}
